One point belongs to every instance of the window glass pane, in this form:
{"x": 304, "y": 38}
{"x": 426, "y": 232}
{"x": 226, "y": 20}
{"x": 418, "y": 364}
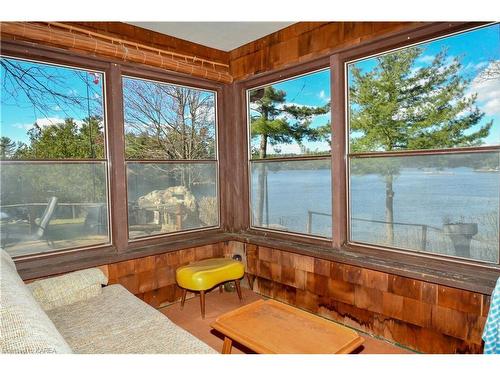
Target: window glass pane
{"x": 293, "y": 196}
{"x": 435, "y": 95}
{"x": 442, "y": 204}
{"x": 50, "y": 112}
{"x": 49, "y": 206}
{"x": 165, "y": 197}
{"x": 166, "y": 121}
{"x": 291, "y": 118}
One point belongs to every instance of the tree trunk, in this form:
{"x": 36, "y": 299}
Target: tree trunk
{"x": 260, "y": 201}
{"x": 389, "y": 209}
{"x": 263, "y": 146}
{"x": 183, "y": 177}
{"x": 261, "y": 182}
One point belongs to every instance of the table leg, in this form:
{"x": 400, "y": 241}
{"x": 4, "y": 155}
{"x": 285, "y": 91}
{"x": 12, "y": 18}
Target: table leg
{"x": 227, "y": 346}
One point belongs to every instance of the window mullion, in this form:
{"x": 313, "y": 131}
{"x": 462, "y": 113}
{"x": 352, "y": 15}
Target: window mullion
{"x": 116, "y": 155}
{"x": 339, "y": 160}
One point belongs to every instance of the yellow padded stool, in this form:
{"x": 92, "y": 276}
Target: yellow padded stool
{"x": 205, "y": 274}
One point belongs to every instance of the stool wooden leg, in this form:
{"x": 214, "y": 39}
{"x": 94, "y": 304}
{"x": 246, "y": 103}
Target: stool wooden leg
{"x": 238, "y": 288}
{"x": 220, "y": 288}
{"x": 184, "y": 292}
{"x": 202, "y": 303}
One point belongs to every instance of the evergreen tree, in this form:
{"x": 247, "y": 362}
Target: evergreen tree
{"x": 70, "y": 182}
{"x": 272, "y": 124}
{"x": 66, "y": 140}
{"x": 396, "y": 106}
{"x": 278, "y": 123}
{"x": 7, "y": 148}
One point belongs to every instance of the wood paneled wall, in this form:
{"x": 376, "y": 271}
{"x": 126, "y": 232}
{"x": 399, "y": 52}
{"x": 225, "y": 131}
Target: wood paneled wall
{"x": 305, "y": 41}
{"x": 152, "y": 278}
{"x": 297, "y": 43}
{"x": 426, "y": 317}
{"x": 423, "y": 316}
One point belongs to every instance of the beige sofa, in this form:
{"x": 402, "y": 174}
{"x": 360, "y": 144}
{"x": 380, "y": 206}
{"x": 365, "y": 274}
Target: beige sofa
{"x": 73, "y": 313}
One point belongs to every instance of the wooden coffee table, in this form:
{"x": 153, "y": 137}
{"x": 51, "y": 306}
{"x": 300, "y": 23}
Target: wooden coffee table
{"x": 271, "y": 327}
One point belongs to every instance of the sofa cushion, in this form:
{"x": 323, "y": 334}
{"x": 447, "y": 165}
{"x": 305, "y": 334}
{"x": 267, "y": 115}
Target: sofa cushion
{"x": 67, "y": 289}
{"x": 25, "y": 327}
{"x": 118, "y": 322}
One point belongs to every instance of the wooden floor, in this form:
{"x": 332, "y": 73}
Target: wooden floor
{"x": 216, "y": 304}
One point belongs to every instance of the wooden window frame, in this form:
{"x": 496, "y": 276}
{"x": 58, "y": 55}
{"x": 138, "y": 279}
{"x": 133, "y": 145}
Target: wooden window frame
{"x": 344, "y": 58}
{"x": 166, "y": 80}
{"x": 83, "y": 65}
{"x": 311, "y": 68}
{"x": 462, "y": 273}
{"x": 233, "y": 176}
{"x": 244, "y": 86}
{"x": 120, "y": 248}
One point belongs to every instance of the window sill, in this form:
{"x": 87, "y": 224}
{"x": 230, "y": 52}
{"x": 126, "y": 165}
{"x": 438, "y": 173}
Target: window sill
{"x": 471, "y": 277}
{"x": 66, "y": 261}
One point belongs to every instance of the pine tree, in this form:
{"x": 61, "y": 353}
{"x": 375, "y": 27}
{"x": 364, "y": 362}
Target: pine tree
{"x": 7, "y": 148}
{"x": 278, "y": 123}
{"x": 272, "y": 124}
{"x": 397, "y": 106}
{"x": 65, "y": 140}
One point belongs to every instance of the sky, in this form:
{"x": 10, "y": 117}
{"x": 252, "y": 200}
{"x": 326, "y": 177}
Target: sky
{"x": 205, "y": 113}
{"x": 312, "y": 90}
{"x": 476, "y": 49}
{"x": 18, "y": 114}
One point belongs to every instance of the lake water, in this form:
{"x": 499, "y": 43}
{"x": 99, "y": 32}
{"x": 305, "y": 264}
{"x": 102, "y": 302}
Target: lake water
{"x": 422, "y": 197}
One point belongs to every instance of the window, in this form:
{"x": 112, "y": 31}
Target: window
{"x": 171, "y": 152}
{"x": 424, "y": 147}
{"x": 290, "y": 162}
{"x": 53, "y": 158}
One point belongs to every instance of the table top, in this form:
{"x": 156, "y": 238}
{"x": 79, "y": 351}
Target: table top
{"x": 272, "y": 327}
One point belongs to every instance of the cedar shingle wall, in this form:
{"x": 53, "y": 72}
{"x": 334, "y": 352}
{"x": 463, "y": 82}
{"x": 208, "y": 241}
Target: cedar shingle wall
{"x": 423, "y": 316}
{"x": 426, "y": 317}
{"x": 297, "y": 43}
{"x": 152, "y": 278}
{"x": 304, "y": 41}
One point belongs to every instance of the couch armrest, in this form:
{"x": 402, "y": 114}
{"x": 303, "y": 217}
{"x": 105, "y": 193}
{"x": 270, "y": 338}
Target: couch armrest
{"x": 69, "y": 288}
